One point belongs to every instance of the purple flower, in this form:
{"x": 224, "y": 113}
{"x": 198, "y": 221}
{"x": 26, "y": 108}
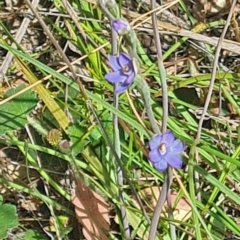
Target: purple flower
{"x": 123, "y": 72}
{"x": 121, "y": 26}
{"x": 164, "y": 150}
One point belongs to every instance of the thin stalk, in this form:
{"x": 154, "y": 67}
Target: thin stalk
{"x": 158, "y": 208}
{"x": 165, "y": 194}
{"x": 192, "y": 192}
{"x": 145, "y": 92}
{"x": 211, "y": 86}
{"x": 169, "y": 203}
{"x": 161, "y": 69}
{"x": 126, "y": 227}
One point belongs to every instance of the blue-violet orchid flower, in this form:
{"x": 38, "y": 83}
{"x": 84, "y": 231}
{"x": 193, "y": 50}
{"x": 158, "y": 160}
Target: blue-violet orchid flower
{"x": 123, "y": 72}
{"x": 165, "y": 150}
{"x": 121, "y": 26}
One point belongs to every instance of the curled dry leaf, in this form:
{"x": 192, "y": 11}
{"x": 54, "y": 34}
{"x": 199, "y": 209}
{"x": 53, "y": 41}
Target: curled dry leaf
{"x": 92, "y": 212}
{"x": 182, "y": 209}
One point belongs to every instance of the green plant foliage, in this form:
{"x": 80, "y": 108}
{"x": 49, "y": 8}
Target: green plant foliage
{"x": 31, "y": 234}
{"x": 8, "y": 218}
{"x": 78, "y": 141}
{"x": 13, "y": 113}
{"x": 210, "y": 175}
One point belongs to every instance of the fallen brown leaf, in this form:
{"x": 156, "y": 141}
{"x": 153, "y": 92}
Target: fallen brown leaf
{"x": 92, "y": 212}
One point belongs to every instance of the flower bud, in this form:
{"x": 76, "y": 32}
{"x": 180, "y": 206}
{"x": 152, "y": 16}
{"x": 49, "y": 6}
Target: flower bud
{"x": 121, "y": 26}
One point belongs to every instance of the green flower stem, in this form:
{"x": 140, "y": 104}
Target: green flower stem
{"x": 143, "y": 88}
{"x": 105, "y": 9}
{"x": 117, "y": 146}
{"x": 169, "y": 202}
{"x": 131, "y": 41}
{"x": 110, "y": 8}
{"x": 192, "y": 192}
{"x": 165, "y": 194}
{"x": 158, "y": 208}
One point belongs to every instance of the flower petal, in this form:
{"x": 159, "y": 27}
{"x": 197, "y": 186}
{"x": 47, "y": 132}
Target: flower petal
{"x": 168, "y": 138}
{"x": 124, "y": 59}
{"x": 121, "y": 88}
{"x": 129, "y": 79}
{"x": 155, "y": 142}
{"x": 173, "y": 160}
{"x": 177, "y": 147}
{"x": 125, "y": 84}
{"x": 115, "y": 77}
{"x": 154, "y": 156}
{"x": 161, "y": 166}
{"x": 114, "y": 63}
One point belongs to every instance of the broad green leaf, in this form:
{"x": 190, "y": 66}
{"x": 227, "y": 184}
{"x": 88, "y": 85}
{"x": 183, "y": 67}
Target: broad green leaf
{"x": 8, "y": 219}
{"x": 13, "y": 113}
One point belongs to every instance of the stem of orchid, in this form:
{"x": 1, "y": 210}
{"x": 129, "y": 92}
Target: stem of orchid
{"x": 105, "y": 10}
{"x": 126, "y": 227}
{"x": 169, "y": 204}
{"x": 168, "y": 175}
{"x": 108, "y": 12}
{"x": 158, "y": 208}
{"x": 145, "y": 92}
{"x": 143, "y": 88}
